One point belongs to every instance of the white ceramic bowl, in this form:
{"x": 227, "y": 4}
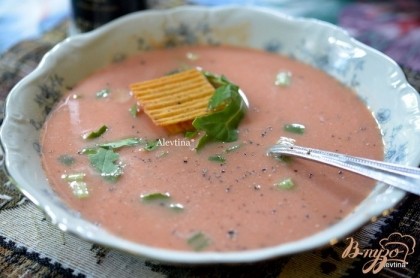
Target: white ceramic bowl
{"x": 376, "y": 79}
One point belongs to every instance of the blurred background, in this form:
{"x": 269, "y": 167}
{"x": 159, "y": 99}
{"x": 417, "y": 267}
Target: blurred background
{"x": 392, "y": 27}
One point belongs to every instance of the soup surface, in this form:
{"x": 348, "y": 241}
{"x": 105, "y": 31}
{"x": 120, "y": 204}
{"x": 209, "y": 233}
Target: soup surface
{"x": 171, "y": 196}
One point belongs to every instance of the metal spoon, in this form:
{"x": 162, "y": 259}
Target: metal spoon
{"x": 403, "y": 177}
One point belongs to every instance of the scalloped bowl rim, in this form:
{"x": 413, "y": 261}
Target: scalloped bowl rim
{"x": 84, "y": 229}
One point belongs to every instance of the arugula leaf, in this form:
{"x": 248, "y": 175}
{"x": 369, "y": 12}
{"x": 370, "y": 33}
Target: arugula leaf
{"x": 104, "y": 161}
{"x": 226, "y": 107}
{"x": 96, "y": 133}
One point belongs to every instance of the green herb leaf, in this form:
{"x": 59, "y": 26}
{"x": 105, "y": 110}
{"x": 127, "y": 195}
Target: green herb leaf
{"x": 226, "y": 107}
{"x": 163, "y": 200}
{"x": 232, "y": 148}
{"x": 285, "y": 184}
{"x": 198, "y": 241}
{"x": 162, "y": 154}
{"x": 73, "y": 177}
{"x": 77, "y": 184}
{"x": 95, "y": 134}
{"x": 151, "y": 145}
{"x": 104, "y": 161}
{"x": 283, "y": 79}
{"x": 191, "y": 134}
{"x": 217, "y": 158}
{"x": 79, "y": 189}
{"x": 127, "y": 142}
{"x": 134, "y": 110}
{"x": 104, "y": 93}
{"x": 294, "y": 128}
{"x": 284, "y": 158}
{"x": 66, "y": 159}
{"x": 176, "y": 207}
{"x": 156, "y": 196}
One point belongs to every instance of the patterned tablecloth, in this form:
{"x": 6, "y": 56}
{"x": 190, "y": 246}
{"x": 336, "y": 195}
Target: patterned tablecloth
{"x": 30, "y": 246}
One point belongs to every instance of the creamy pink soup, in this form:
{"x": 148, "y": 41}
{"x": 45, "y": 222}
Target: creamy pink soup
{"x": 235, "y": 205}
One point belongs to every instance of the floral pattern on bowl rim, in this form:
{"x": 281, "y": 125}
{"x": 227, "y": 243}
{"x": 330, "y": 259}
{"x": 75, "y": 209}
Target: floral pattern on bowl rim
{"x": 377, "y": 80}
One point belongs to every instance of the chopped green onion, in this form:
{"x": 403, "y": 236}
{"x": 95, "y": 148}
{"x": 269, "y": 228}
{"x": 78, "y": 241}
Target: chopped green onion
{"x": 294, "y": 128}
{"x": 198, "y": 241}
{"x": 285, "y": 184}
{"x": 283, "y": 78}
{"x": 157, "y": 196}
{"x": 66, "y": 159}
{"x": 95, "y": 134}
{"x": 104, "y": 93}
{"x": 217, "y": 158}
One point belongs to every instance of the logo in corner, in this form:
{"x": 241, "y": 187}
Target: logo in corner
{"x": 393, "y": 252}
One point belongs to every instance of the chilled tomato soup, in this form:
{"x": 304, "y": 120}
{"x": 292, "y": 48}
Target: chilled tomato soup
{"x": 227, "y": 196}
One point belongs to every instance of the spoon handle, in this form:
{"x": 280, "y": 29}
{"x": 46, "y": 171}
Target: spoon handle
{"x": 403, "y": 177}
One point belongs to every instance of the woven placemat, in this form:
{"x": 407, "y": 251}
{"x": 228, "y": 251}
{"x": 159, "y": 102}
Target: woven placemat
{"x": 30, "y": 246}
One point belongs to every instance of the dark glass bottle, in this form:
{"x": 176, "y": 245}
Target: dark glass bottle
{"x": 90, "y": 14}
